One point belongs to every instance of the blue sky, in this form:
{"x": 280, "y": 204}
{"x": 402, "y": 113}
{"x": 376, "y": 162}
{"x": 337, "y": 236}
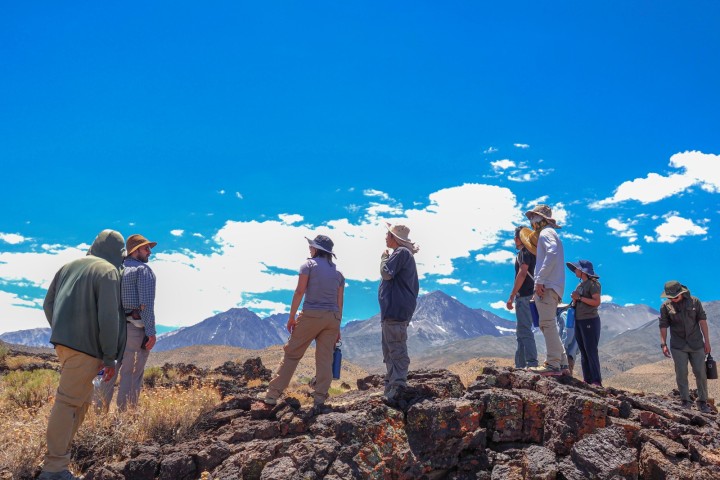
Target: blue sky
{"x": 227, "y": 132}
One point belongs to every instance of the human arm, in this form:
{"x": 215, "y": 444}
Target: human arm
{"x": 146, "y": 284}
{"x": 706, "y": 334}
{"x": 519, "y": 279}
{"x": 663, "y": 341}
{"x": 49, "y": 303}
{"x": 593, "y": 302}
{"x": 340, "y": 301}
{"x": 296, "y": 299}
{"x": 107, "y": 292}
{"x": 548, "y": 244}
{"x": 383, "y": 269}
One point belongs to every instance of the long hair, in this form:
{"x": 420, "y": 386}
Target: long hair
{"x": 323, "y": 254}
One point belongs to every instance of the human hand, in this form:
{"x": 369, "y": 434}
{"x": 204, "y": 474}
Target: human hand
{"x": 151, "y": 342}
{"x": 707, "y": 348}
{"x": 666, "y": 351}
{"x": 291, "y": 324}
{"x": 540, "y": 289}
{"x": 509, "y": 304}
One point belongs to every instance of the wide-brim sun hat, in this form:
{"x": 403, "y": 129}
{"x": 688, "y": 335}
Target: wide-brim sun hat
{"x": 673, "y": 289}
{"x": 545, "y": 212}
{"x": 584, "y": 266}
{"x": 401, "y": 232}
{"x": 136, "y": 241}
{"x": 322, "y": 242}
{"x": 529, "y": 239}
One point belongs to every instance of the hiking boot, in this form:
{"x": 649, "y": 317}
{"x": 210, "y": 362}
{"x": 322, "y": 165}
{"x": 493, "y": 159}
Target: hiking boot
{"x": 565, "y": 371}
{"x": 547, "y": 370}
{"x": 267, "y": 400}
{"x": 64, "y": 475}
{"x": 686, "y": 404}
{"x": 394, "y": 396}
{"x": 704, "y": 407}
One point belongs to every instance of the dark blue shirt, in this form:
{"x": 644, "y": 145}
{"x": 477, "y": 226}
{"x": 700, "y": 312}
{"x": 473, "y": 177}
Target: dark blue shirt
{"x": 399, "y": 288}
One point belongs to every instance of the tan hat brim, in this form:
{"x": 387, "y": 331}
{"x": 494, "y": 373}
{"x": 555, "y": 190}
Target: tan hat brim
{"x": 152, "y": 245}
{"x": 529, "y": 239}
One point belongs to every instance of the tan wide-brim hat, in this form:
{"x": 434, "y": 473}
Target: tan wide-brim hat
{"x": 529, "y": 239}
{"x": 545, "y": 212}
{"x": 401, "y": 232}
{"x": 136, "y": 241}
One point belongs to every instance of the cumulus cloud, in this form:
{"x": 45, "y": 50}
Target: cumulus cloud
{"x": 675, "y": 227}
{"x": 622, "y": 229}
{"x": 470, "y": 289}
{"x": 490, "y": 150}
{"x": 238, "y": 269}
{"x": 521, "y": 145}
{"x": 289, "y": 219}
{"x": 692, "y": 169}
{"x": 572, "y": 237}
{"x": 631, "y": 248}
{"x": 447, "y": 281}
{"x": 498, "y": 256}
{"x": 503, "y": 164}
{"x": 376, "y": 193}
{"x": 499, "y": 305}
{"x": 531, "y": 176}
{"x": 12, "y": 238}
{"x": 606, "y": 298}
{"x": 221, "y": 192}
{"x": 177, "y": 232}
{"x": 239, "y": 195}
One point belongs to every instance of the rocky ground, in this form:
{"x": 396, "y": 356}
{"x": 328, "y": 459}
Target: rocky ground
{"x": 508, "y": 424}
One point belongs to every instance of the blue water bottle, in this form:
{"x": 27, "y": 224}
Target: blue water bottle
{"x": 570, "y": 320}
{"x": 534, "y": 313}
{"x": 337, "y": 361}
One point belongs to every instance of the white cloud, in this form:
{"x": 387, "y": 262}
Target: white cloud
{"x": 490, "y": 150}
{"x": 221, "y": 192}
{"x": 695, "y": 169}
{"x": 453, "y": 223}
{"x": 177, "y": 232}
{"x": 531, "y": 204}
{"x": 503, "y": 164}
{"x": 499, "y": 305}
{"x": 588, "y": 231}
{"x": 447, "y": 281}
{"x": 521, "y": 145}
{"x": 629, "y": 305}
{"x": 470, "y": 289}
{"x": 676, "y": 227}
{"x": 606, "y": 298}
{"x": 239, "y": 195}
{"x": 376, "y": 193}
{"x": 573, "y": 237}
{"x": 199, "y": 235}
{"x": 649, "y": 239}
{"x": 531, "y": 176}
{"x": 631, "y": 249}
{"x": 12, "y": 238}
{"x": 289, "y": 219}
{"x": 498, "y": 256}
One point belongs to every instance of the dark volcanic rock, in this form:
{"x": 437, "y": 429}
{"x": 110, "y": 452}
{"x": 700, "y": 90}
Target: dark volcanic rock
{"x": 509, "y": 424}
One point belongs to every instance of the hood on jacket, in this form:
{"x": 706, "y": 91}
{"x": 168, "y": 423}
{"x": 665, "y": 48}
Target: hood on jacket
{"x": 109, "y": 245}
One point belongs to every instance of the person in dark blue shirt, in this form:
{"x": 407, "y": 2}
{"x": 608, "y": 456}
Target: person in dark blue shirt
{"x": 397, "y": 295}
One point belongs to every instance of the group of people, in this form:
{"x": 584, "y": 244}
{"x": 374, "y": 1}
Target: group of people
{"x": 101, "y": 309}
{"x": 539, "y": 284}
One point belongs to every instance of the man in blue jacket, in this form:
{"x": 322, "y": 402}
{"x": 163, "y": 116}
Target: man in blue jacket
{"x": 397, "y": 295}
{"x": 83, "y": 308}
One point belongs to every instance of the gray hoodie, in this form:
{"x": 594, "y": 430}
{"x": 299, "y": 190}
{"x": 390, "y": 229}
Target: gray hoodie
{"x": 83, "y": 302}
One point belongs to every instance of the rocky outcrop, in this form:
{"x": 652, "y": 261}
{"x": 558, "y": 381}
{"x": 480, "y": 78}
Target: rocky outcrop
{"x": 508, "y": 424}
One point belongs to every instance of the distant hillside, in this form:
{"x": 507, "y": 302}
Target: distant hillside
{"x": 238, "y": 327}
{"x": 36, "y": 337}
{"x": 438, "y": 320}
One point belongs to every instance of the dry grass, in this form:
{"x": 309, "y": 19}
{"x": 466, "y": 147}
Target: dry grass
{"x": 163, "y": 415}
{"x": 18, "y": 361}
{"x": 468, "y": 370}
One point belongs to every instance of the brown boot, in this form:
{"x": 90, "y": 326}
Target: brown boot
{"x": 571, "y": 364}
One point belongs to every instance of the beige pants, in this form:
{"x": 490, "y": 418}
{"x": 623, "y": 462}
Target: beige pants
{"x": 77, "y": 371}
{"x": 323, "y": 326}
{"x": 547, "y": 311}
{"x": 132, "y": 369}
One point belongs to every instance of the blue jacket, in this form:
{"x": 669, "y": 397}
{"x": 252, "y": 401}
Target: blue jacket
{"x": 399, "y": 287}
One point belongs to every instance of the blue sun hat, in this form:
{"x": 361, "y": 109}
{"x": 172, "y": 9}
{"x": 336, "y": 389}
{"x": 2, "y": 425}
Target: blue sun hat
{"x": 322, "y": 242}
{"x": 584, "y": 266}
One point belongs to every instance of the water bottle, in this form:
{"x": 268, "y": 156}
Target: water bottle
{"x": 711, "y": 368}
{"x": 97, "y": 381}
{"x": 570, "y": 320}
{"x": 337, "y": 361}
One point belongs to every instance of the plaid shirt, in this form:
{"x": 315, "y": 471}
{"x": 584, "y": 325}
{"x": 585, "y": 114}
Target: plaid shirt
{"x": 138, "y": 288}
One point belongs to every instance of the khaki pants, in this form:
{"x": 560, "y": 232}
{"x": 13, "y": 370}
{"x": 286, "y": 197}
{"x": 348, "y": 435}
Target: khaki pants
{"x": 547, "y": 311}
{"x": 77, "y": 371}
{"x": 697, "y": 362}
{"x": 132, "y": 368}
{"x": 323, "y": 326}
{"x": 395, "y": 352}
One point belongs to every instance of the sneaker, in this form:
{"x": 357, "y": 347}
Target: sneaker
{"x": 267, "y": 400}
{"x": 686, "y": 404}
{"x": 703, "y": 407}
{"x": 547, "y": 370}
{"x": 64, "y": 475}
{"x": 565, "y": 371}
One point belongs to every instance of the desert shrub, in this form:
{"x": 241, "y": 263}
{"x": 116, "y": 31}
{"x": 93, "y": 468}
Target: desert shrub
{"x": 152, "y": 376}
{"x": 254, "y": 383}
{"x": 4, "y": 350}
{"x": 22, "y": 439}
{"x": 18, "y": 361}
{"x": 28, "y": 389}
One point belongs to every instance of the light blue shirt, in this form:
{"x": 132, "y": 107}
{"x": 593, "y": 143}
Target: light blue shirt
{"x": 323, "y": 283}
{"x": 550, "y": 265}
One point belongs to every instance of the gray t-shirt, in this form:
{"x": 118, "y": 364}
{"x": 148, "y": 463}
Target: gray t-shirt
{"x": 323, "y": 283}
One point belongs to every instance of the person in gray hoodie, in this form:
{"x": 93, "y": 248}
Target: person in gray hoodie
{"x": 83, "y": 308}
